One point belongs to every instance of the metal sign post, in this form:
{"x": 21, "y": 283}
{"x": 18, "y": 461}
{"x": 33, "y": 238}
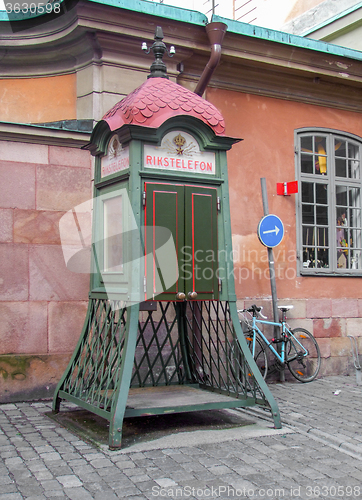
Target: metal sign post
{"x": 271, "y": 232}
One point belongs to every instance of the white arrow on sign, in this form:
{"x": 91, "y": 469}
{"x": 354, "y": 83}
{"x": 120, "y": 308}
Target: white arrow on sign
{"x": 276, "y": 231}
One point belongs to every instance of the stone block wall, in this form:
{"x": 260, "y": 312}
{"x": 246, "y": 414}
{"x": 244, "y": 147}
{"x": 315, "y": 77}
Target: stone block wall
{"x": 42, "y": 303}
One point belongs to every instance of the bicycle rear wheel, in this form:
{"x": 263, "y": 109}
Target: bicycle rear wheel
{"x": 303, "y": 356}
{"x": 260, "y": 356}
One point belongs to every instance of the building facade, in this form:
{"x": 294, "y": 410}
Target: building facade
{"x": 296, "y": 103}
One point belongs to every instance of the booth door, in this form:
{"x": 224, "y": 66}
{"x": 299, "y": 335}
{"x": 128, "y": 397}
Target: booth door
{"x": 181, "y": 242}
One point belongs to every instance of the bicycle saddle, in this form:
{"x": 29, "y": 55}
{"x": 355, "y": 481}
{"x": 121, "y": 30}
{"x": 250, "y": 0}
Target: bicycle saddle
{"x": 285, "y": 308}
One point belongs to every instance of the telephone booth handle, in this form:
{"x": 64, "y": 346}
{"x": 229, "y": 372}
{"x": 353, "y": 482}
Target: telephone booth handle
{"x": 192, "y": 295}
{"x": 180, "y": 296}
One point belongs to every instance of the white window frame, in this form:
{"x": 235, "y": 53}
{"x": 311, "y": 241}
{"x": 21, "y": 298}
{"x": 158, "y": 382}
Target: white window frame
{"x": 330, "y": 181}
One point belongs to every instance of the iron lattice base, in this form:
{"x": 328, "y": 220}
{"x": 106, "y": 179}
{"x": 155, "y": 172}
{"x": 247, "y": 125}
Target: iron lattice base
{"x": 185, "y": 356}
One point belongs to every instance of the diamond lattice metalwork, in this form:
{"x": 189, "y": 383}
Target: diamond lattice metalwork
{"x": 217, "y": 360}
{"x": 124, "y": 355}
{"x": 93, "y": 373}
{"x": 158, "y": 359}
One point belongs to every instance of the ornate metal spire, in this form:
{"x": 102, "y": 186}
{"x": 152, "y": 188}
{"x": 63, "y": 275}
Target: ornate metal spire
{"x": 158, "y": 67}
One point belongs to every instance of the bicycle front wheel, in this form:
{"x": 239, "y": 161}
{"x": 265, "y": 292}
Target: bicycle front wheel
{"x": 303, "y": 356}
{"x": 260, "y": 356}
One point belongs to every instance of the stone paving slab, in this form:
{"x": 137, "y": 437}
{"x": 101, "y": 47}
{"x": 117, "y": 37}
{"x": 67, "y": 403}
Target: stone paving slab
{"x": 317, "y": 454}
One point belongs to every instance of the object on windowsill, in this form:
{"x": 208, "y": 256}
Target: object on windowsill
{"x": 344, "y": 244}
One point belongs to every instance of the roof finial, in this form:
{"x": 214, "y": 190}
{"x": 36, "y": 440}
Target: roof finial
{"x": 158, "y": 67}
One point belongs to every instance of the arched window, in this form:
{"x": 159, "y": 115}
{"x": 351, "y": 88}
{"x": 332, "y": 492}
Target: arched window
{"x": 329, "y": 223}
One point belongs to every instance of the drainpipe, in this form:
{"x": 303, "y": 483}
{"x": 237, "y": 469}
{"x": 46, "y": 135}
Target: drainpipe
{"x": 216, "y": 33}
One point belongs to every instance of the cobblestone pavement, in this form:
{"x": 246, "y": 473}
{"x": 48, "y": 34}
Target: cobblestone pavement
{"x": 318, "y": 454}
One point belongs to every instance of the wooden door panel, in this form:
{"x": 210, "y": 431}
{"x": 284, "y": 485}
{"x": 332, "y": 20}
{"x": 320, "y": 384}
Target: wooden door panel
{"x": 189, "y": 215}
{"x": 201, "y": 238}
{"x": 163, "y": 240}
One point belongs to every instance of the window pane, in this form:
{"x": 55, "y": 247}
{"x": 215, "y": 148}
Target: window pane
{"x": 320, "y": 145}
{"x": 316, "y": 258}
{"x": 341, "y": 195}
{"x": 353, "y": 151}
{"x": 341, "y": 235}
{"x": 321, "y": 159}
{"x": 322, "y": 257}
{"x": 308, "y": 257}
{"x": 355, "y": 238}
{"x": 306, "y": 143}
{"x": 322, "y": 215}
{"x": 354, "y": 197}
{"x": 307, "y": 192}
{"x": 308, "y": 236}
{"x": 321, "y": 164}
{"x": 354, "y": 169}
{"x": 342, "y": 255}
{"x": 341, "y": 167}
{"x": 113, "y": 248}
{"x": 354, "y": 161}
{"x": 307, "y": 164}
{"x": 308, "y": 214}
{"x": 356, "y": 259}
{"x": 354, "y": 217}
{"x": 340, "y": 148}
{"x": 322, "y": 194}
{"x": 322, "y": 237}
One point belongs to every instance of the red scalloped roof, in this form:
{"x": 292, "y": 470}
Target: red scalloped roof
{"x": 158, "y": 99}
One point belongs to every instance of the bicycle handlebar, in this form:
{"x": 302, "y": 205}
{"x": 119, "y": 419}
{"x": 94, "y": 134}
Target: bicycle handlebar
{"x": 255, "y": 310}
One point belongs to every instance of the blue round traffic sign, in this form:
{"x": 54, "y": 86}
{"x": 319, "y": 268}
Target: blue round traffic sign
{"x": 270, "y": 230}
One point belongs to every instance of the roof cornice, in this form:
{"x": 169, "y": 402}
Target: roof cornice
{"x": 38, "y": 134}
{"x": 295, "y": 41}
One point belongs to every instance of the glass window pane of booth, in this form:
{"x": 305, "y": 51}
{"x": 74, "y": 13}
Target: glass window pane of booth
{"x": 113, "y": 237}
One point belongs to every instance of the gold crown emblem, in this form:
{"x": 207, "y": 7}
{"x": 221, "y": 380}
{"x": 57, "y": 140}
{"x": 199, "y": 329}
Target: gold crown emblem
{"x": 179, "y": 140}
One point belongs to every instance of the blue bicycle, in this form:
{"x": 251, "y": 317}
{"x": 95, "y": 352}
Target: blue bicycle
{"x": 298, "y": 348}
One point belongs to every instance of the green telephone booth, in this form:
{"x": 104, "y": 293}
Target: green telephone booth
{"x": 162, "y": 333}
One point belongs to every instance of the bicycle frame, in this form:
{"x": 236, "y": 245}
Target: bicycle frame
{"x": 285, "y": 333}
